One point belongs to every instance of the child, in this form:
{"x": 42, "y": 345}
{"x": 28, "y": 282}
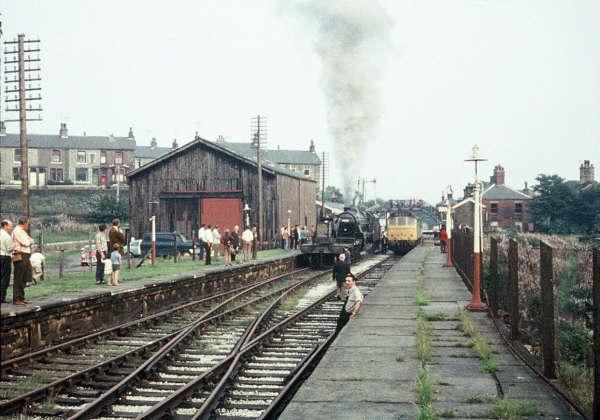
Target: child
{"x": 115, "y": 259}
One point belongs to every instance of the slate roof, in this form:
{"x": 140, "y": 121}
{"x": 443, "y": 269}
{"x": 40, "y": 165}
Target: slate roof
{"x": 294, "y": 157}
{"x": 149, "y": 152}
{"x": 251, "y": 160}
{"x": 54, "y": 141}
{"x": 502, "y": 192}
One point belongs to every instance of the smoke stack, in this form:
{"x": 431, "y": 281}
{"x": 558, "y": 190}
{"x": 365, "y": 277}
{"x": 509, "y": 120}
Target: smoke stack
{"x": 130, "y": 136}
{"x": 174, "y": 145}
{"x": 498, "y": 177}
{"x": 586, "y": 172}
{"x": 64, "y": 133}
{"x": 312, "y": 147}
{"x": 153, "y": 143}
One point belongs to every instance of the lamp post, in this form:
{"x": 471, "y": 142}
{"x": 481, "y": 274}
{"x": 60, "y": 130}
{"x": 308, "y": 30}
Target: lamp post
{"x": 476, "y": 304}
{"x": 289, "y": 220}
{"x": 247, "y": 213}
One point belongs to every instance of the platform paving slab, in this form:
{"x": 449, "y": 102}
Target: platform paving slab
{"x": 370, "y": 369}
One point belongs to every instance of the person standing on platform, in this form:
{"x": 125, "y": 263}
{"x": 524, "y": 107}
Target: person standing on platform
{"x": 443, "y": 239}
{"x": 216, "y": 244}
{"x": 294, "y": 235}
{"x": 235, "y": 242}
{"x": 37, "y": 261}
{"x": 201, "y": 243}
{"x": 116, "y": 236}
{"x": 286, "y": 238}
{"x": 115, "y": 260}
{"x": 21, "y": 253}
{"x": 101, "y": 252}
{"x": 254, "y": 242}
{"x": 6, "y": 249}
{"x": 208, "y": 240}
{"x": 353, "y": 302}
{"x": 247, "y": 239}
{"x": 226, "y": 244}
{"x": 348, "y": 257}
{"x": 303, "y": 234}
{"x": 340, "y": 270}
{"x": 282, "y": 234}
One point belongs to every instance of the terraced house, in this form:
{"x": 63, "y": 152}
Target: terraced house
{"x": 63, "y": 159}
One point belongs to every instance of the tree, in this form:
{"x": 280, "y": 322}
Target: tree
{"x": 105, "y": 207}
{"x": 333, "y": 194}
{"x": 586, "y": 210}
{"x": 550, "y": 208}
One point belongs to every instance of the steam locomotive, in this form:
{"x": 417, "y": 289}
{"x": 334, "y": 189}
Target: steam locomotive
{"x": 357, "y": 230}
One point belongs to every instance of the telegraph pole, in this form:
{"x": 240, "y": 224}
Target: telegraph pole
{"x": 324, "y": 172}
{"x": 15, "y": 51}
{"x": 259, "y": 134}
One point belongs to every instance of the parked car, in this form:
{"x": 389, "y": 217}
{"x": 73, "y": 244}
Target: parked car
{"x": 165, "y": 243}
{"x": 88, "y": 255}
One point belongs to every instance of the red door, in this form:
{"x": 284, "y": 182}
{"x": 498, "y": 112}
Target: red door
{"x": 225, "y": 212}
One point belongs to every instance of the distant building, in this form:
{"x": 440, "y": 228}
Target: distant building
{"x": 146, "y": 154}
{"x": 586, "y": 177}
{"x": 504, "y": 206}
{"x": 63, "y": 159}
{"x": 301, "y": 162}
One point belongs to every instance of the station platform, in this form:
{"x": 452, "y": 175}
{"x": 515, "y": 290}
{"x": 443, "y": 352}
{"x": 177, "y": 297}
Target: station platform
{"x": 370, "y": 370}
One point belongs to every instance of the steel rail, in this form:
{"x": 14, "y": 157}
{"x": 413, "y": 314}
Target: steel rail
{"x": 214, "y": 399}
{"x": 180, "y": 395}
{"x": 5, "y": 364}
{"x": 96, "y": 406}
{"x": 17, "y": 403}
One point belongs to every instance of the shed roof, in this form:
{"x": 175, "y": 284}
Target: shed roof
{"x": 502, "y": 192}
{"x": 250, "y": 160}
{"x": 150, "y": 152}
{"x": 54, "y": 141}
{"x": 294, "y": 157}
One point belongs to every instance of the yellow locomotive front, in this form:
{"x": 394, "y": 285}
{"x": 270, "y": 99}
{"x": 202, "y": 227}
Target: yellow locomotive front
{"x": 404, "y": 233}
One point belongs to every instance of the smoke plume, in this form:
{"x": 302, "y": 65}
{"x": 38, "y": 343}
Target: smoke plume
{"x": 351, "y": 36}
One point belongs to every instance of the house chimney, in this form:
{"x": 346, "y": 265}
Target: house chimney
{"x": 130, "y": 136}
{"x": 2, "y": 129}
{"x": 312, "y": 147}
{"x": 220, "y": 138}
{"x": 586, "y": 172}
{"x": 450, "y": 192}
{"x": 153, "y": 143}
{"x": 498, "y": 177}
{"x": 64, "y": 133}
{"x": 174, "y": 145}
{"x": 196, "y": 136}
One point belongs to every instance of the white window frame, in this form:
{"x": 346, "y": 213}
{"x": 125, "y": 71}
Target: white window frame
{"x": 84, "y": 157}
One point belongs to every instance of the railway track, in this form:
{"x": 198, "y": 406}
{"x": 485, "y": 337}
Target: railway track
{"x": 268, "y": 362}
{"x": 35, "y": 376}
{"x": 237, "y": 356}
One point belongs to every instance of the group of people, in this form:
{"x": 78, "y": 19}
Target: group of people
{"x": 109, "y": 251}
{"x": 229, "y": 243}
{"x": 347, "y": 290}
{"x": 16, "y": 253}
{"x": 291, "y": 240}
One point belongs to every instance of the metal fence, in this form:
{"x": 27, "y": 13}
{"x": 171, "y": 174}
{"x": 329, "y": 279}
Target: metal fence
{"x": 547, "y": 291}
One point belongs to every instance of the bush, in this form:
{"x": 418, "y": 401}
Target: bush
{"x": 575, "y": 343}
{"x": 105, "y": 208}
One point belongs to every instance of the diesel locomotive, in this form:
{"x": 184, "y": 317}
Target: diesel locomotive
{"x": 357, "y": 230}
{"x": 404, "y": 232}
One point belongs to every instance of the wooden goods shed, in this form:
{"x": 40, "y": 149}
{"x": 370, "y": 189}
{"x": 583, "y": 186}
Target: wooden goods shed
{"x": 204, "y": 182}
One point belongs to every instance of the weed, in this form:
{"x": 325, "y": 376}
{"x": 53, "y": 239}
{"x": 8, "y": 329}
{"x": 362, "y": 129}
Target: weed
{"x": 465, "y": 325}
{"x": 482, "y": 348}
{"x": 436, "y": 317}
{"x": 508, "y": 409}
{"x": 425, "y": 388}
{"x": 490, "y": 366}
{"x": 421, "y": 298}
{"x": 424, "y": 349}
{"x": 400, "y": 358}
{"x": 448, "y": 414}
{"x": 426, "y": 413}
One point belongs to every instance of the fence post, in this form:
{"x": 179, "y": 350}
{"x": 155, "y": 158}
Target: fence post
{"x": 174, "y": 248}
{"x": 513, "y": 287}
{"x": 547, "y": 290}
{"x": 90, "y": 254}
{"x": 596, "y": 317}
{"x": 61, "y": 263}
{"x": 493, "y": 286}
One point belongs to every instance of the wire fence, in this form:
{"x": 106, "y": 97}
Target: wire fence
{"x": 547, "y": 291}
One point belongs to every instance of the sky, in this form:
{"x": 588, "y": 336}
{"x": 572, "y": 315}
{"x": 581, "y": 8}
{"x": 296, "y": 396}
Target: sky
{"x": 521, "y": 79}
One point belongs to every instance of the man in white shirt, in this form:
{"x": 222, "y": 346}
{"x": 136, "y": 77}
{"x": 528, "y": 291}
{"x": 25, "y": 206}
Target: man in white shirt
{"x": 208, "y": 240}
{"x": 6, "y": 248}
{"x": 352, "y": 304}
{"x": 247, "y": 238}
{"x": 37, "y": 260}
{"x": 201, "y": 241}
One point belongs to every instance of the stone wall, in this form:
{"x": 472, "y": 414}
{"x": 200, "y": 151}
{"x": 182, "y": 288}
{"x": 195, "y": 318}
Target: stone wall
{"x": 84, "y": 314}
